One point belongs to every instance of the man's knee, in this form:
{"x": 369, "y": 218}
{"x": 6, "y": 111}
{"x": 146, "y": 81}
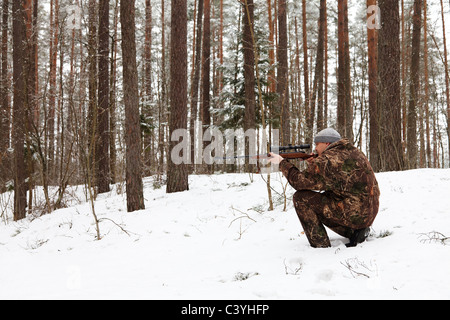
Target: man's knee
{"x": 306, "y": 198}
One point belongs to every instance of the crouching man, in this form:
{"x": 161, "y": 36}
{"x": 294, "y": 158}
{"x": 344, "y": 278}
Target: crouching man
{"x": 338, "y": 189}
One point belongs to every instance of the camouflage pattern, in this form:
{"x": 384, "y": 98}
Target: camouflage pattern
{"x": 337, "y": 189}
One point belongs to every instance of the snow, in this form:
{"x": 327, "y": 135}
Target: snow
{"x": 219, "y": 241}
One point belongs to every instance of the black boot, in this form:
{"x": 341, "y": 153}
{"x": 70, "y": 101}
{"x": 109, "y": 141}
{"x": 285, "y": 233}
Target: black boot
{"x": 358, "y": 236}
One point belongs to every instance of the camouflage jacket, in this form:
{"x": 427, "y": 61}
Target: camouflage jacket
{"x": 343, "y": 172}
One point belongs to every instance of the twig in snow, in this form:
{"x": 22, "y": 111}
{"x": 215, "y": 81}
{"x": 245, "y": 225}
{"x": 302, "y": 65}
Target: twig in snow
{"x": 434, "y": 236}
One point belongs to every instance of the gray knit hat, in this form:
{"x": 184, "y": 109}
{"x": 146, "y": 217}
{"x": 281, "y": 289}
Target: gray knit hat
{"x": 328, "y": 135}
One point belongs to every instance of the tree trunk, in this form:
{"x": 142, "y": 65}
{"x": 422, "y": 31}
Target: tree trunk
{"x": 372, "y": 35}
{"x": 206, "y": 63}
{"x": 54, "y": 31}
{"x": 425, "y": 68}
{"x": 249, "y": 75}
{"x": 134, "y": 185}
{"x": 113, "y": 99}
{"x": 388, "y": 95}
{"x": 447, "y": 77}
{"x": 404, "y": 55}
{"x": 271, "y": 76}
{"x": 163, "y": 100}
{"x": 177, "y": 175}
{"x": 102, "y": 148}
{"x": 19, "y": 108}
{"x": 320, "y": 66}
{"x": 318, "y": 77}
{"x": 206, "y": 69}
{"x": 308, "y": 131}
{"x": 345, "y": 110}
{"x": 147, "y": 110}
{"x": 413, "y": 106}
{"x": 282, "y": 75}
{"x": 196, "y": 79}
{"x": 4, "y": 100}
{"x": 92, "y": 107}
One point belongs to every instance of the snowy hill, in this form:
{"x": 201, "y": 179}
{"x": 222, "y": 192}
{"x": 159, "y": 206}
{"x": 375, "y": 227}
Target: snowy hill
{"x": 218, "y": 241}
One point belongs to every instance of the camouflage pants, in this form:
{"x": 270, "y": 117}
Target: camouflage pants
{"x": 316, "y": 210}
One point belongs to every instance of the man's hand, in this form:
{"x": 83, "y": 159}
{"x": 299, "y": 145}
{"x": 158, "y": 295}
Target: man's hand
{"x": 275, "y": 158}
{"x": 310, "y": 160}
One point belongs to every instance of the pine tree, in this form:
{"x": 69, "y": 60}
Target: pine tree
{"x": 282, "y": 73}
{"x": 19, "y": 108}
{"x": 388, "y": 95}
{"x": 318, "y": 77}
{"x": 345, "y": 110}
{"x": 372, "y": 35}
{"x": 447, "y": 76}
{"x": 177, "y": 175}
{"x": 4, "y": 99}
{"x": 134, "y": 185}
{"x": 102, "y": 148}
{"x": 249, "y": 73}
{"x": 413, "y": 106}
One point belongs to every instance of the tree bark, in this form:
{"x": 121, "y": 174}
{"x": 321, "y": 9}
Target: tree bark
{"x": 282, "y": 75}
{"x": 206, "y": 69}
{"x": 372, "y": 36}
{"x": 147, "y": 110}
{"x": 447, "y": 77}
{"x": 345, "y": 110}
{"x": 92, "y": 104}
{"x": 318, "y": 77}
{"x": 102, "y": 149}
{"x": 19, "y": 108}
{"x": 54, "y": 36}
{"x": 4, "y": 100}
{"x": 388, "y": 95}
{"x": 308, "y": 131}
{"x": 249, "y": 74}
{"x": 177, "y": 174}
{"x": 196, "y": 79}
{"x": 426, "y": 75}
{"x": 134, "y": 185}
{"x": 413, "y": 106}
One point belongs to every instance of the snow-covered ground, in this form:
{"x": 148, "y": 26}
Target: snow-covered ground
{"x": 218, "y": 241}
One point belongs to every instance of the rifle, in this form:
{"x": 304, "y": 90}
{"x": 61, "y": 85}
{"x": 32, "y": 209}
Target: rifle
{"x": 287, "y": 152}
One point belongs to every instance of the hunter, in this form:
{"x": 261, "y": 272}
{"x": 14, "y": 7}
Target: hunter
{"x": 338, "y": 189}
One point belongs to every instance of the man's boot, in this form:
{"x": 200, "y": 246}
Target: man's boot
{"x": 358, "y": 236}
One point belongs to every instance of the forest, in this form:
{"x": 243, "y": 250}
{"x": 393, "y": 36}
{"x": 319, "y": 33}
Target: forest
{"x": 92, "y": 91}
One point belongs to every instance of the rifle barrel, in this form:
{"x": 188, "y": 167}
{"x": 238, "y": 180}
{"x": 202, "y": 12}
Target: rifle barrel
{"x": 286, "y": 155}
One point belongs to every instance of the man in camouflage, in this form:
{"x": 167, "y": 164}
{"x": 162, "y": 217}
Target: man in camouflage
{"x": 338, "y": 189}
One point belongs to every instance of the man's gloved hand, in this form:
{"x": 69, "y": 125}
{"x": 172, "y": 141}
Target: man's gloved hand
{"x": 275, "y": 158}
